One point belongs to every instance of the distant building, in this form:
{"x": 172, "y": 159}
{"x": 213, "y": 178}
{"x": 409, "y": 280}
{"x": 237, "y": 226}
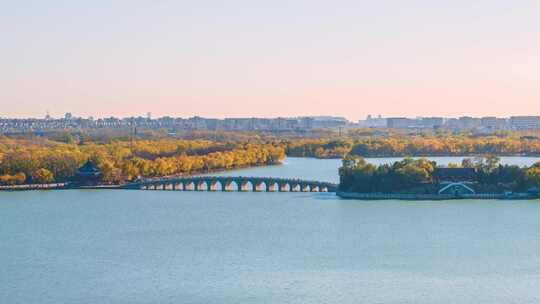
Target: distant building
{"x": 322, "y": 122}
{"x": 493, "y": 123}
{"x": 306, "y": 122}
{"x": 402, "y": 123}
{"x": 489, "y": 122}
{"x": 525, "y": 122}
{"x": 432, "y": 122}
{"x": 463, "y": 123}
{"x": 373, "y": 122}
{"x": 467, "y": 122}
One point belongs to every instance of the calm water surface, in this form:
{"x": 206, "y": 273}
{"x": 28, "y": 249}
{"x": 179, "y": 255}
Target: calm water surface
{"x": 183, "y": 247}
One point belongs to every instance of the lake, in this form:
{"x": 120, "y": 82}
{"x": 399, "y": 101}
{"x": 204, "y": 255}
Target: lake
{"x": 116, "y": 246}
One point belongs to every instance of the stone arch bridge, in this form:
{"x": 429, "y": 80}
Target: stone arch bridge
{"x": 233, "y": 183}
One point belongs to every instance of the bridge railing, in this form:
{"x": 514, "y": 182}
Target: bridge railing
{"x": 248, "y": 178}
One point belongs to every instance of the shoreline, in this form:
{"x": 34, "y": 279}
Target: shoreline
{"x": 434, "y": 197}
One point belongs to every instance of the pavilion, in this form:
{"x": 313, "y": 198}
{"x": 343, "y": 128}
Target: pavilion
{"x": 87, "y": 175}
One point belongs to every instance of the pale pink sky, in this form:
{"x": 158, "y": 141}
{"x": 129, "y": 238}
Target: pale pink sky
{"x": 287, "y": 58}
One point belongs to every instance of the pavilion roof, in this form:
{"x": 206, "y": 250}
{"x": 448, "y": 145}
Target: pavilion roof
{"x": 88, "y": 168}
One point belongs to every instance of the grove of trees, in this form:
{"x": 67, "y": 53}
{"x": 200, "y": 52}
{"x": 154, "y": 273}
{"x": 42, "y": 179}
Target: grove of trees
{"x": 43, "y": 161}
{"x": 398, "y": 146}
{"x": 416, "y": 175}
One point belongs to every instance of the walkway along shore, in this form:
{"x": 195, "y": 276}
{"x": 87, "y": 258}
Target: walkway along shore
{"x": 26, "y": 187}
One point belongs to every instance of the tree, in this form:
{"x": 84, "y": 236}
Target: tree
{"x": 492, "y": 162}
{"x": 42, "y": 176}
{"x": 20, "y": 178}
{"x": 467, "y": 163}
{"x": 532, "y": 175}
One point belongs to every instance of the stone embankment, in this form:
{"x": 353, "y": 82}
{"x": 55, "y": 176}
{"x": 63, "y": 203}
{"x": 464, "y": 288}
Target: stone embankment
{"x": 54, "y": 186}
{"x": 432, "y": 197}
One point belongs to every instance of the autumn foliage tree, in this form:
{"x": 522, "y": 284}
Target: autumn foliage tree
{"x": 42, "y": 176}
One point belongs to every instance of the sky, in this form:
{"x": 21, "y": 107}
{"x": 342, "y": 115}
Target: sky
{"x": 269, "y": 58}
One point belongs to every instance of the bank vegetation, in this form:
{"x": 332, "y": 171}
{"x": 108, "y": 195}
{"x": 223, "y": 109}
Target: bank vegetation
{"x": 417, "y": 176}
{"x": 39, "y": 160}
{"x": 400, "y": 146}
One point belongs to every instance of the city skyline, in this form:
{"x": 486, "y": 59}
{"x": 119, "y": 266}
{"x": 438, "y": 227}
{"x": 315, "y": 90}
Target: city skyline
{"x": 61, "y": 114}
{"x": 150, "y": 115}
{"x": 238, "y": 59}
{"x": 484, "y": 125}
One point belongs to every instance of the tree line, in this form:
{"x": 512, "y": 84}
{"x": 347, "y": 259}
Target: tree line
{"x": 399, "y": 146}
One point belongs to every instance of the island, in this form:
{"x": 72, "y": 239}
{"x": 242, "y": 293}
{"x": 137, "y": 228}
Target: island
{"x": 422, "y": 179}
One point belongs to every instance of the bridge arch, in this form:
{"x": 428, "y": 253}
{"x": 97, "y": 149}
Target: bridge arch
{"x": 246, "y": 185}
{"x": 229, "y": 185}
{"x": 189, "y": 185}
{"x": 215, "y": 185}
{"x": 285, "y": 187}
{"x": 259, "y": 185}
{"x": 295, "y": 186}
{"x": 272, "y": 186}
{"x": 201, "y": 185}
